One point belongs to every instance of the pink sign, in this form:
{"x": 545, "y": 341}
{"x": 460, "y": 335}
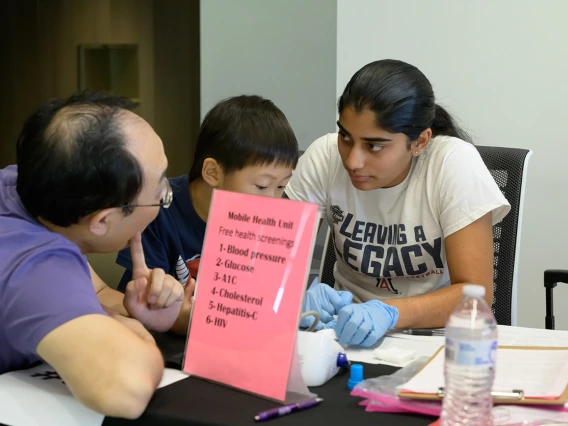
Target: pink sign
{"x": 252, "y": 276}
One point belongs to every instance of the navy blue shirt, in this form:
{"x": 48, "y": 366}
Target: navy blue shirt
{"x": 173, "y": 241}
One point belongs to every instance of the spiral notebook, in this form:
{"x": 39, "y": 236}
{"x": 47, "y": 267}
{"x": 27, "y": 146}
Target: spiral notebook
{"x": 523, "y": 375}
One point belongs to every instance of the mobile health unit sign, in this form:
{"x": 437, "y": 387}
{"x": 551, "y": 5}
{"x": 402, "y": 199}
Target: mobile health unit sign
{"x": 252, "y": 276}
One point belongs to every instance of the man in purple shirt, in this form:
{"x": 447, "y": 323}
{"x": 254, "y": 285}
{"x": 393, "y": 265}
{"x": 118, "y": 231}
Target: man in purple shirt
{"x": 90, "y": 176}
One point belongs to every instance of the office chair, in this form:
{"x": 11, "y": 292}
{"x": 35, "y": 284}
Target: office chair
{"x": 551, "y": 278}
{"x": 508, "y": 166}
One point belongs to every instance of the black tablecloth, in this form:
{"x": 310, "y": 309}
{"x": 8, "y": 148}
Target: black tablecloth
{"x": 194, "y": 401}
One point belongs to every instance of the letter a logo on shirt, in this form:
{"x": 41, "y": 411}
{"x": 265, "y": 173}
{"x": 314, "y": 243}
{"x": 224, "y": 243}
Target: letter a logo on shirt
{"x": 386, "y": 283}
{"x": 337, "y": 214}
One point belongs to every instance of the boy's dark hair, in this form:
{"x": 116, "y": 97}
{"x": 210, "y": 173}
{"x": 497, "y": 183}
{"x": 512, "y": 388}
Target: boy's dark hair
{"x": 72, "y": 158}
{"x": 244, "y": 131}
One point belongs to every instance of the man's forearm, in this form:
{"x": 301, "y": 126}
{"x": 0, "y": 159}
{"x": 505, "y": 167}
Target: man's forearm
{"x": 125, "y": 367}
{"x": 107, "y": 296}
{"x": 430, "y": 310}
{"x": 135, "y": 326}
{"x": 112, "y": 299}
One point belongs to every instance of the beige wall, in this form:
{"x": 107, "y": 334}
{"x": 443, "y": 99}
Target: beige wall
{"x": 176, "y": 80}
{"x": 39, "y": 59}
{"x": 65, "y": 24}
{"x": 19, "y": 73}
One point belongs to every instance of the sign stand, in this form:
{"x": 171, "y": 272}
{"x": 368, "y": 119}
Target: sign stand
{"x": 250, "y": 287}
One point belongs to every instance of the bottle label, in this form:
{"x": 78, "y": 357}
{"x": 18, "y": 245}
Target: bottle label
{"x": 470, "y": 354}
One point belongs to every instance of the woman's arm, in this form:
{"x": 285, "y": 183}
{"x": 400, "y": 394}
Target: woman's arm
{"x": 469, "y": 254}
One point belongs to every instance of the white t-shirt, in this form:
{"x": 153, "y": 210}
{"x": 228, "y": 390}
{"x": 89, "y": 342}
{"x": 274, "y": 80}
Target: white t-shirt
{"x": 390, "y": 241}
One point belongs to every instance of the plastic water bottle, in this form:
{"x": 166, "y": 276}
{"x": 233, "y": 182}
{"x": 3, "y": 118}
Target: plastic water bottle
{"x": 471, "y": 349}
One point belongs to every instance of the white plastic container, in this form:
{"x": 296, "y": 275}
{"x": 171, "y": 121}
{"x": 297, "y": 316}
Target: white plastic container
{"x": 321, "y": 356}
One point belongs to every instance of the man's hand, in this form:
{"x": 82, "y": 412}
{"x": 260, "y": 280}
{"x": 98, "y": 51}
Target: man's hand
{"x": 152, "y": 297}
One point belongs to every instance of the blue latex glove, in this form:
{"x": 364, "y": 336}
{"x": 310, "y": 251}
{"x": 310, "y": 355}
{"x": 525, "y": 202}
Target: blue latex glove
{"x": 363, "y": 324}
{"x": 326, "y": 301}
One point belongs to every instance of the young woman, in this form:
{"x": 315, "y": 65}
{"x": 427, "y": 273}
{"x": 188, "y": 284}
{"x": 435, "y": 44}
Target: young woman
{"x": 409, "y": 201}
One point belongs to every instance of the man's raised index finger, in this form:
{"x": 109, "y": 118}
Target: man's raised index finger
{"x": 139, "y": 269}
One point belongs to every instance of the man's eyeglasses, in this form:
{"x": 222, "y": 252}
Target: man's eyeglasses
{"x": 165, "y": 200}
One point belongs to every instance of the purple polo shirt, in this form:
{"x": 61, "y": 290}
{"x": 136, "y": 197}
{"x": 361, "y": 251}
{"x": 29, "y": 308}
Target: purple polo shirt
{"x": 44, "y": 280}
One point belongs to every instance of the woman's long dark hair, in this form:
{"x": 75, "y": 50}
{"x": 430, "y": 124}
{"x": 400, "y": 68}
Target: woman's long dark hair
{"x": 401, "y": 98}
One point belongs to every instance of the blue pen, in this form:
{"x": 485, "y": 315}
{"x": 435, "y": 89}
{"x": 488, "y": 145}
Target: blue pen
{"x": 282, "y": 411}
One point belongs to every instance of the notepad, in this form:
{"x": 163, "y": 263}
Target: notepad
{"x": 541, "y": 373}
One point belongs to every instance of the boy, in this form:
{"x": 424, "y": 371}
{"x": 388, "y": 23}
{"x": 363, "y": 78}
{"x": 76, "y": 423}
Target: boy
{"x": 245, "y": 145}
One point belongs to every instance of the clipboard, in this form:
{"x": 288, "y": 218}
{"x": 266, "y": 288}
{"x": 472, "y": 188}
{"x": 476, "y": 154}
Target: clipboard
{"x": 505, "y": 396}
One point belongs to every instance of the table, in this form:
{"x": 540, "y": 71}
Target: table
{"x": 194, "y": 401}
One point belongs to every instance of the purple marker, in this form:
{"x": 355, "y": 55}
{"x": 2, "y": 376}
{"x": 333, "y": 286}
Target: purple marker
{"x": 282, "y": 411}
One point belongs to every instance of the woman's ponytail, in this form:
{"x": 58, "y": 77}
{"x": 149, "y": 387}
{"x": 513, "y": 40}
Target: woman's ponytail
{"x": 444, "y": 124}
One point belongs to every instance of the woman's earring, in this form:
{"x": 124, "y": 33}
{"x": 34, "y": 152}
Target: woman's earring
{"x": 416, "y": 152}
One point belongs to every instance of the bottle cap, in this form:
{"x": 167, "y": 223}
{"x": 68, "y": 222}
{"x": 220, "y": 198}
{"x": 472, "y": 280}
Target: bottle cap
{"x": 473, "y": 290}
{"x": 356, "y": 375}
{"x": 342, "y": 360}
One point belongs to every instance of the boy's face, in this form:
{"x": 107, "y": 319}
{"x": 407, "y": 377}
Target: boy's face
{"x": 268, "y": 180}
